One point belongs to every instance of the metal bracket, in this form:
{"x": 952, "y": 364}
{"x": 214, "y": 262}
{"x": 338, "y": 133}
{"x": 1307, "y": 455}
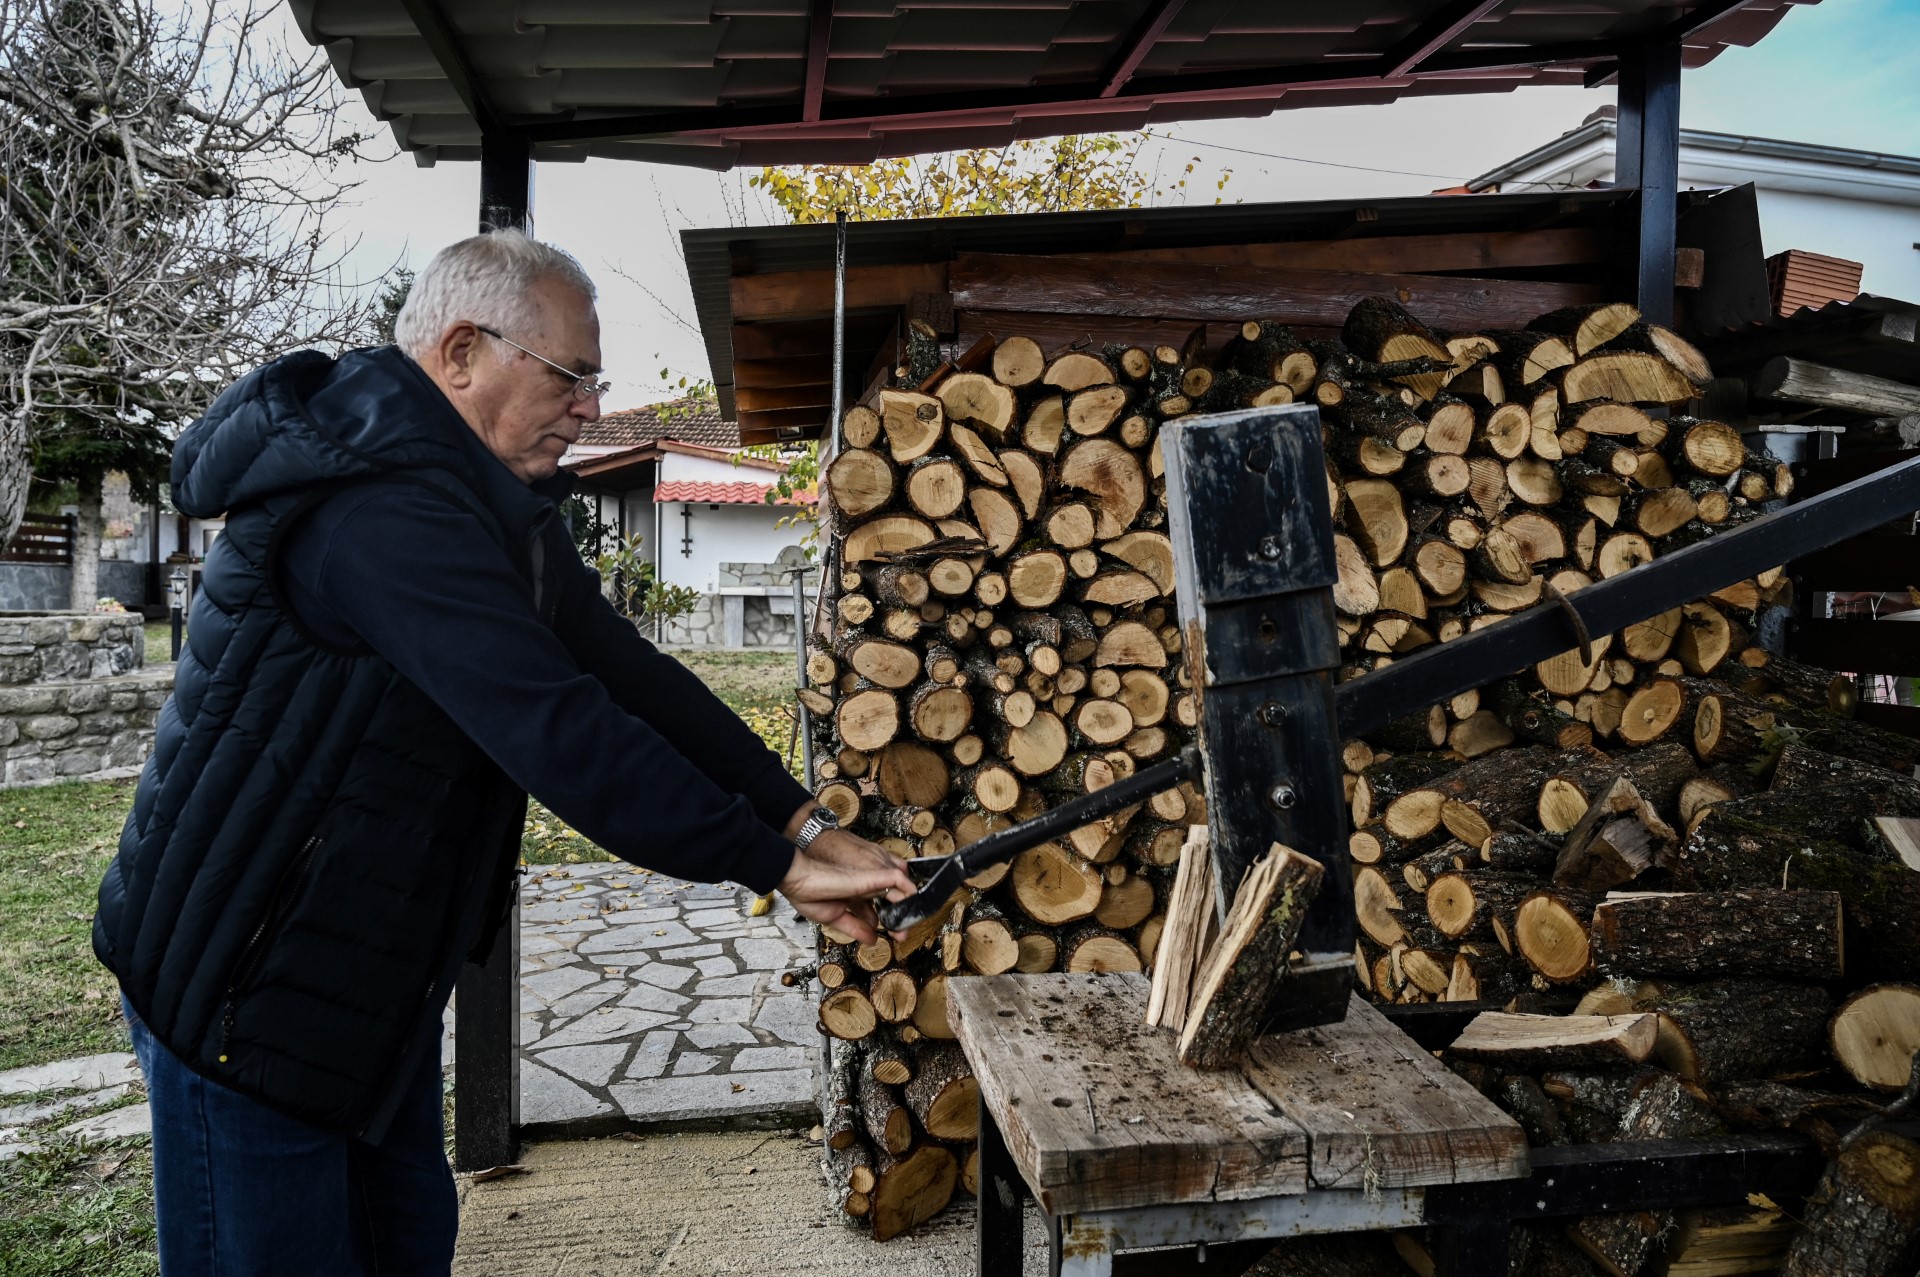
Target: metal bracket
{"x": 1252, "y": 535}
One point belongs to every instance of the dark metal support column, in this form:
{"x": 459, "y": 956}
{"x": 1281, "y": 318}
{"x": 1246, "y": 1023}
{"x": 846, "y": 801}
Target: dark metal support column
{"x": 1647, "y": 155}
{"x": 486, "y": 1111}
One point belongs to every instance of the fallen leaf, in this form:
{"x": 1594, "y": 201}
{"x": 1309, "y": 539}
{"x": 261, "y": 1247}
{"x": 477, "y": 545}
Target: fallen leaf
{"x": 747, "y": 1170}
{"x": 498, "y": 1172}
{"x": 737, "y": 1088}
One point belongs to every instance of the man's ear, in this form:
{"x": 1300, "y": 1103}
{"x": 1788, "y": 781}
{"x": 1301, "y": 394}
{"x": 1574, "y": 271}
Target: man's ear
{"x": 459, "y": 351}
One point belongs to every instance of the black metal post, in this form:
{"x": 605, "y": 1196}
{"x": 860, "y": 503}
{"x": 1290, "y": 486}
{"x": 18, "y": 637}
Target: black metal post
{"x": 999, "y": 1223}
{"x": 486, "y": 1111}
{"x": 1647, "y": 155}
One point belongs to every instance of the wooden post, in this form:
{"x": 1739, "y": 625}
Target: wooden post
{"x": 1647, "y": 155}
{"x": 486, "y": 1114}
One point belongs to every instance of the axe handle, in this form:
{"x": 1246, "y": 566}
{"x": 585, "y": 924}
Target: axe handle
{"x": 941, "y": 876}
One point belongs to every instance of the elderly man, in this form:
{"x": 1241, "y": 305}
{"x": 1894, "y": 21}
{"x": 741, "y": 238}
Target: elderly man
{"x": 395, "y": 642}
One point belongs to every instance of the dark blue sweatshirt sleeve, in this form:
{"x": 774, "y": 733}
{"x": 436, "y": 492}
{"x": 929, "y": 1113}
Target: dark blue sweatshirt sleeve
{"x": 651, "y": 685}
{"x": 420, "y": 581}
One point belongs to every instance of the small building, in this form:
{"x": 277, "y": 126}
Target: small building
{"x": 1859, "y": 205}
{"x": 674, "y": 475}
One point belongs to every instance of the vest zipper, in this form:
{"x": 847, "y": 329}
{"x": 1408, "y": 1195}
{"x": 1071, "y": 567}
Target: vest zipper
{"x": 244, "y": 969}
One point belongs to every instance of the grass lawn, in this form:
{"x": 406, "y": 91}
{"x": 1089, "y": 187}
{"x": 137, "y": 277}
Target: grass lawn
{"x": 55, "y": 1000}
{"x": 160, "y": 642}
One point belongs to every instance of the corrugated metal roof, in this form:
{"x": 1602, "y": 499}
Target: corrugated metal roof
{"x": 1875, "y": 335}
{"x": 716, "y": 83}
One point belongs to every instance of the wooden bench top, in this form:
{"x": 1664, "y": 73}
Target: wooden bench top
{"x": 1100, "y": 1114}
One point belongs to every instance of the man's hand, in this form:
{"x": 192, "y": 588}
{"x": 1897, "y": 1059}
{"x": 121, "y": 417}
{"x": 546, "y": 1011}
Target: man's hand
{"x": 834, "y": 880}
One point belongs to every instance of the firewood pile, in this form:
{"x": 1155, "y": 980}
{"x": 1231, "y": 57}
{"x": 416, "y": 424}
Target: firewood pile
{"x": 1644, "y": 849}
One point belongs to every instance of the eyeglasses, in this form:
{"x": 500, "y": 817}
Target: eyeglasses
{"x": 586, "y": 386}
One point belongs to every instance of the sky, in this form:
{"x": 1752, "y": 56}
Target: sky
{"x": 1839, "y": 73}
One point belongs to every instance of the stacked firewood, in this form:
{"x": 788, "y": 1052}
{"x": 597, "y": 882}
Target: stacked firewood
{"x": 1004, "y": 638}
{"x": 1671, "y": 854}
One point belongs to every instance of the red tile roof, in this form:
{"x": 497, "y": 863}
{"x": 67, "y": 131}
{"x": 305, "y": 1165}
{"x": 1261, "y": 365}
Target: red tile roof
{"x": 700, "y": 492}
{"x": 692, "y": 421}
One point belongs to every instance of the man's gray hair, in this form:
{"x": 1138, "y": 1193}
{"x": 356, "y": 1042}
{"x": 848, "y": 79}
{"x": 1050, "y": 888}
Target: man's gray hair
{"x": 488, "y": 280}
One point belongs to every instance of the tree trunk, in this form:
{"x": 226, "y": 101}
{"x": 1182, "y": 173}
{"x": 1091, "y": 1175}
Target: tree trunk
{"x": 84, "y": 585}
{"x": 1865, "y": 1214}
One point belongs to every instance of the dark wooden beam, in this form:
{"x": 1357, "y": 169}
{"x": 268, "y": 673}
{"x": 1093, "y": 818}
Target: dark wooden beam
{"x": 440, "y": 41}
{"x": 1205, "y": 293}
{"x": 928, "y": 108}
{"x": 1647, "y": 155}
{"x": 803, "y": 293}
{"x": 819, "y": 42}
{"x": 1139, "y": 42}
{"x": 1439, "y": 30}
{"x": 1699, "y": 19}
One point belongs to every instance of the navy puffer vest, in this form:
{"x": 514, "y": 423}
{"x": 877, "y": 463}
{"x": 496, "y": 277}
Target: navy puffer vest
{"x": 314, "y": 846}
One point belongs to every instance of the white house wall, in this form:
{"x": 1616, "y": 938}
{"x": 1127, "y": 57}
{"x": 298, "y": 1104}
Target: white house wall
{"x": 722, "y": 534}
{"x": 1881, "y": 237}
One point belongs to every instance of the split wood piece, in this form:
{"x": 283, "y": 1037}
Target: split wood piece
{"x": 1381, "y": 331}
{"x": 911, "y": 1190}
{"x": 1710, "y": 448}
{"x": 1386, "y": 781}
{"x": 909, "y": 774}
{"x": 860, "y": 427}
{"x": 1795, "y": 934}
{"x": 1535, "y": 1042}
{"x": 1472, "y": 801}
{"x": 887, "y": 1122}
{"x": 1550, "y": 934}
{"x": 936, "y": 486}
{"x": 1028, "y": 480}
{"x": 868, "y": 720}
{"x": 1665, "y": 1108}
{"x": 888, "y": 664}
{"x": 1468, "y": 903}
{"x": 1377, "y": 519}
{"x": 1127, "y": 903}
{"x": 1377, "y": 907}
{"x": 1588, "y": 327}
{"x": 943, "y": 1095}
{"x": 1248, "y": 960}
{"x": 1865, "y": 1213}
{"x": 1628, "y": 377}
{"x": 1053, "y": 886}
{"x": 1078, "y": 370}
{"x": 1651, "y": 711}
{"x": 847, "y": 1014}
{"x": 1045, "y": 425}
{"x": 1535, "y": 720}
{"x": 860, "y": 481}
{"x": 1111, "y": 474}
{"x": 1018, "y": 362}
{"x": 1875, "y": 1034}
{"x": 1658, "y": 772}
{"x": 998, "y": 518}
{"x": 888, "y": 1062}
{"x": 940, "y": 713}
{"x": 883, "y": 536}
{"x": 930, "y": 1013}
{"x": 1187, "y": 937}
{"x": 913, "y": 423}
{"x": 981, "y": 400}
{"x": 1619, "y": 838}
{"x": 1737, "y": 1027}
{"x": 894, "y": 996}
{"x": 1091, "y": 948}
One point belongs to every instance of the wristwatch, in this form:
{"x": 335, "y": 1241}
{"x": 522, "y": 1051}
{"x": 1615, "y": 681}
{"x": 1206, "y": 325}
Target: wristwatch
{"x": 818, "y": 821}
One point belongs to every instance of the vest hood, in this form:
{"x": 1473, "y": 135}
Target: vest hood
{"x": 308, "y": 419}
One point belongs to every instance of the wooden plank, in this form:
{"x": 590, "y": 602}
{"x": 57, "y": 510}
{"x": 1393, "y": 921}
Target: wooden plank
{"x": 1392, "y": 254}
{"x": 781, "y": 418}
{"x": 774, "y": 374}
{"x": 1092, "y": 332}
{"x": 1098, "y": 1111}
{"x": 783, "y": 339}
{"x": 754, "y": 399}
{"x": 796, "y": 294}
{"x": 1208, "y": 293}
{"x": 1379, "y": 1111}
{"x": 1857, "y": 647}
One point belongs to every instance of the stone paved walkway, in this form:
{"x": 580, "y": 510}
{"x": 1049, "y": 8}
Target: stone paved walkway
{"x": 645, "y": 1000}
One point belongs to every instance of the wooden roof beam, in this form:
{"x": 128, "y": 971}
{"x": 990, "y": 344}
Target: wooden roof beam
{"x": 439, "y": 38}
{"x": 819, "y": 42}
{"x": 1440, "y": 29}
{"x": 1139, "y": 42}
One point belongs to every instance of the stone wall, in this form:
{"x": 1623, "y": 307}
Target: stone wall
{"x": 90, "y": 729}
{"x": 44, "y": 587}
{"x": 57, "y": 646}
{"x": 753, "y": 607}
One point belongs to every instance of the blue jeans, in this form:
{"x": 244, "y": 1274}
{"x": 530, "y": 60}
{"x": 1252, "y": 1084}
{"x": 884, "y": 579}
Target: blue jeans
{"x": 243, "y": 1191}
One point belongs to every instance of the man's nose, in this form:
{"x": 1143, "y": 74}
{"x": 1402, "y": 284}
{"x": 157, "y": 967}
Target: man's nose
{"x": 587, "y": 409}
